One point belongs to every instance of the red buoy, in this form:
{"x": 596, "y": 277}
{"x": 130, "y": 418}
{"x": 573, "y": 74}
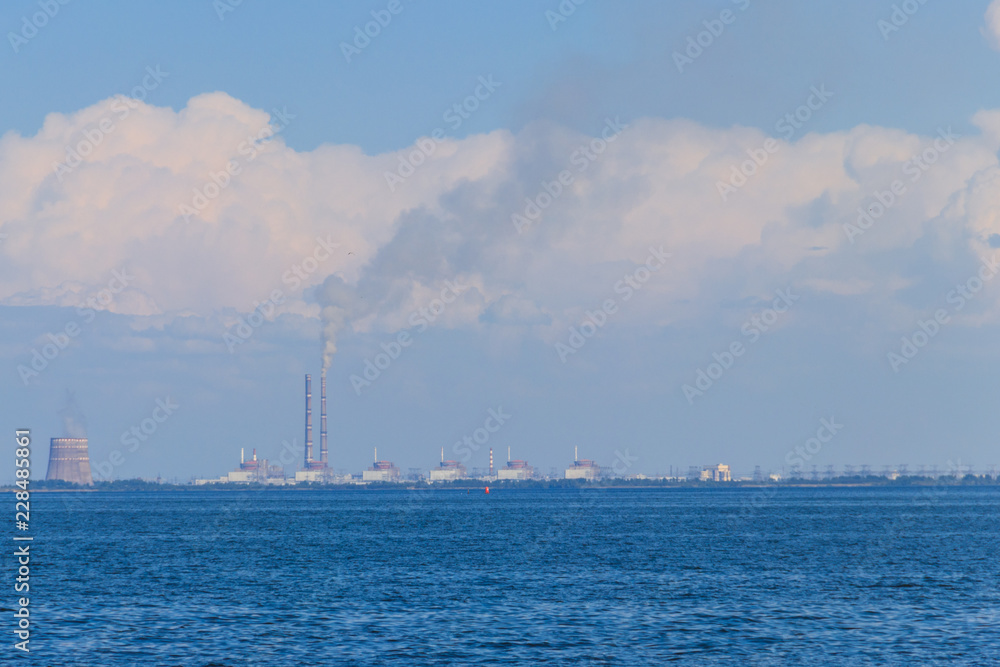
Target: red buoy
{"x": 487, "y": 489}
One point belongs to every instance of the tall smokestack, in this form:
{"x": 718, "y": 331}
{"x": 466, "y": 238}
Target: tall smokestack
{"x": 491, "y": 461}
{"x": 322, "y": 418}
{"x": 309, "y": 420}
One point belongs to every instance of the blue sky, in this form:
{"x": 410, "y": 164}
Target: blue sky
{"x": 657, "y": 184}
{"x": 604, "y": 59}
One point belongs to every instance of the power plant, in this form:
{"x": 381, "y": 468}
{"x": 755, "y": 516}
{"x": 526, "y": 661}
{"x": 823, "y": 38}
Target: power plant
{"x": 69, "y": 461}
{"x": 516, "y": 469}
{"x": 318, "y": 470}
{"x": 448, "y": 471}
{"x": 381, "y": 471}
{"x": 582, "y": 468}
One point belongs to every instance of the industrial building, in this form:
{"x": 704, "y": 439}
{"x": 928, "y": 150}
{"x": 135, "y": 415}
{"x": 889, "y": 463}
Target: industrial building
{"x": 381, "y": 471}
{"x": 448, "y": 471}
{"x": 516, "y": 469}
{"x": 253, "y": 471}
{"x": 582, "y": 468}
{"x": 716, "y": 473}
{"x": 69, "y": 461}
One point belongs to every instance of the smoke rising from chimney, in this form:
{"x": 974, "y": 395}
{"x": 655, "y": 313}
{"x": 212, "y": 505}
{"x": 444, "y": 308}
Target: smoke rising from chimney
{"x": 74, "y": 423}
{"x": 334, "y": 319}
{"x": 406, "y": 274}
{"x": 337, "y": 300}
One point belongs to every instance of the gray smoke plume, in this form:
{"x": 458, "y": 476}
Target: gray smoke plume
{"x": 338, "y": 302}
{"x": 333, "y": 320}
{"x": 428, "y": 250}
{"x": 74, "y": 423}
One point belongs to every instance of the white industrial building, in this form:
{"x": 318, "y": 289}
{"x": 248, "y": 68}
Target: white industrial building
{"x": 381, "y": 471}
{"x": 517, "y": 469}
{"x": 448, "y": 471}
{"x": 582, "y": 468}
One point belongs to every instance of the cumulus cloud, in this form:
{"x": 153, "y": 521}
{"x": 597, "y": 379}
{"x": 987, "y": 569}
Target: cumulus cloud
{"x": 992, "y": 28}
{"x": 344, "y": 249}
{"x": 512, "y": 310}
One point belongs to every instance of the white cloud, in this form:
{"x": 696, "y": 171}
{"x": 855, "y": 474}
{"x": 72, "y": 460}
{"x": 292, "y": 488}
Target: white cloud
{"x": 992, "y": 28}
{"x": 656, "y": 184}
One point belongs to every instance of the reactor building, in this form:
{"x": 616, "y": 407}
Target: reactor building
{"x": 448, "y": 471}
{"x": 516, "y": 469}
{"x": 250, "y": 471}
{"x": 381, "y": 471}
{"x": 69, "y": 461}
{"x": 582, "y": 468}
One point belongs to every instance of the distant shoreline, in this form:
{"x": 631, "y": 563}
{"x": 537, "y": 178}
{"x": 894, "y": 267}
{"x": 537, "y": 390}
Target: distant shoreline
{"x": 470, "y": 485}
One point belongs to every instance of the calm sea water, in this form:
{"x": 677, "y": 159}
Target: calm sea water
{"x": 740, "y": 576}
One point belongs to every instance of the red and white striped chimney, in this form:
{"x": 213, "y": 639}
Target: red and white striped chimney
{"x": 309, "y": 419}
{"x": 322, "y": 419}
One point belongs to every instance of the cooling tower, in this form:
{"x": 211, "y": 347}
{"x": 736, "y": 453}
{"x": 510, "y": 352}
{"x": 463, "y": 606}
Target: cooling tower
{"x": 69, "y": 461}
